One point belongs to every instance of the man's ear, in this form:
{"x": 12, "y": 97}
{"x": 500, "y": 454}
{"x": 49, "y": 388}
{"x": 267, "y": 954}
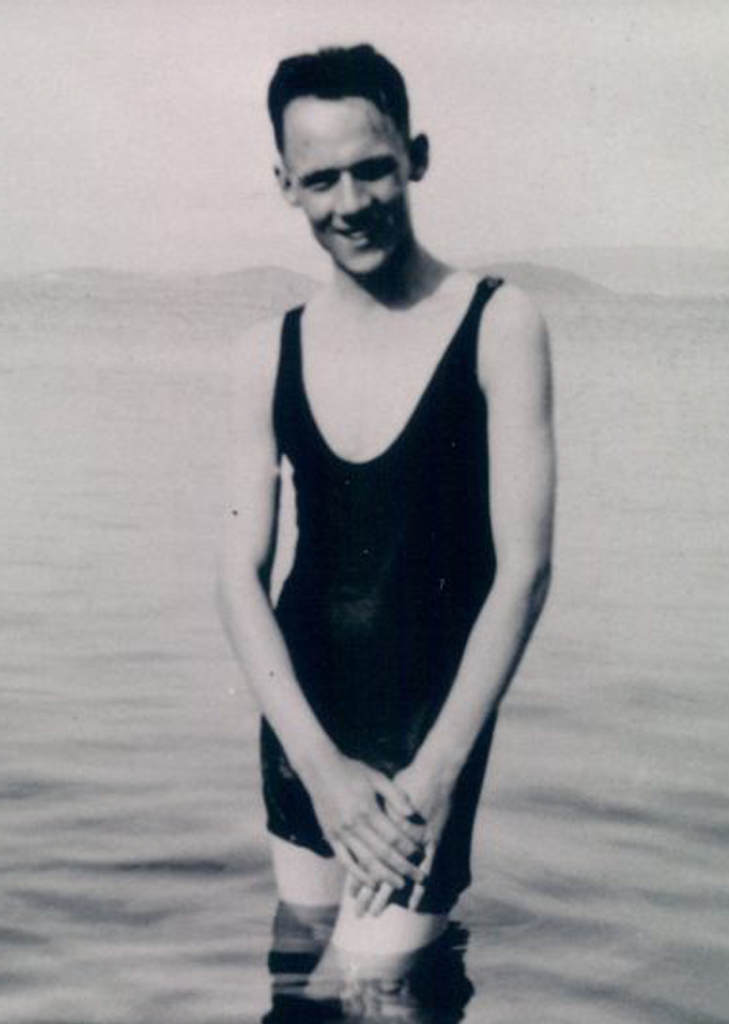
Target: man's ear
{"x": 285, "y": 183}
{"x": 419, "y": 152}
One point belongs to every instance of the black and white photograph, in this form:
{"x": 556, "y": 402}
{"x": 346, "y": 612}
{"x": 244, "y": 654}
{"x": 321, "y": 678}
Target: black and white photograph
{"x": 364, "y": 559}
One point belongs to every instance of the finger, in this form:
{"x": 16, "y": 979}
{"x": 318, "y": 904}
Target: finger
{"x": 380, "y": 900}
{"x": 416, "y": 896}
{"x": 406, "y": 827}
{"x": 354, "y": 886}
{"x": 416, "y": 831}
{"x": 427, "y": 862}
{"x": 373, "y": 901}
{"x": 400, "y": 808}
{"x": 364, "y": 899}
{"x": 394, "y": 795}
{"x": 376, "y": 869}
{"x": 387, "y": 854}
{"x": 411, "y": 826}
{"x": 349, "y": 862}
{"x": 394, "y": 837}
{"x": 426, "y": 865}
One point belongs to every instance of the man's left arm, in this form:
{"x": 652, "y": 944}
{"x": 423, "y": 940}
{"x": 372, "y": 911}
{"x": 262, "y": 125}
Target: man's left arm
{"x": 514, "y": 372}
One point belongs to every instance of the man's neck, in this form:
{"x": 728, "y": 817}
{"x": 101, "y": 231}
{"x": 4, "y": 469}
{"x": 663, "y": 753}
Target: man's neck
{"x": 409, "y": 276}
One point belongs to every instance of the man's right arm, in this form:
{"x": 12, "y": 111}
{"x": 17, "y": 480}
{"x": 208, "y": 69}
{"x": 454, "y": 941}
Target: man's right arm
{"x": 345, "y": 792}
{"x": 249, "y": 517}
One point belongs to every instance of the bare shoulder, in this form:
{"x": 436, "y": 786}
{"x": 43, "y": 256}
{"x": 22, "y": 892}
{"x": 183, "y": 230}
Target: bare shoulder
{"x": 252, "y": 371}
{"x": 253, "y": 366}
{"x": 252, "y": 464}
{"x": 512, "y": 319}
{"x": 513, "y": 338}
{"x": 254, "y": 357}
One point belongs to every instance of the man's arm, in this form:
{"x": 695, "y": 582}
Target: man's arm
{"x": 514, "y": 371}
{"x": 345, "y": 793}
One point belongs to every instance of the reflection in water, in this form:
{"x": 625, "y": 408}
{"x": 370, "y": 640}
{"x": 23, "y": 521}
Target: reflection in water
{"x": 312, "y": 984}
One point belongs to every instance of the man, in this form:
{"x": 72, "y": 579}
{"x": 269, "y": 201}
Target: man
{"x": 423, "y": 554}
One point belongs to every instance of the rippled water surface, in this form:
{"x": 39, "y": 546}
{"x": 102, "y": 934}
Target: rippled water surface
{"x": 135, "y": 882}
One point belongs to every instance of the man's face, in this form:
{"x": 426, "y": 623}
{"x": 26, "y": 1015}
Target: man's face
{"x": 347, "y": 166}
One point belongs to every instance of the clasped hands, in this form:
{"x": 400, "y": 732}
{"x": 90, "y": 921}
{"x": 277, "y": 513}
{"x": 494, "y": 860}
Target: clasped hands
{"x": 383, "y": 831}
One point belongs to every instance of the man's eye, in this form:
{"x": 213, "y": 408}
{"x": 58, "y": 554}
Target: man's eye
{"x": 320, "y": 182}
{"x": 373, "y": 170}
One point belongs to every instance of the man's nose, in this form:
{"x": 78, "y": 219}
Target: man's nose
{"x": 352, "y": 195}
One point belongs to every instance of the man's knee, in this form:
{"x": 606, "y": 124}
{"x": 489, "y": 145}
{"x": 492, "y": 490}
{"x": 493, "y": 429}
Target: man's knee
{"x": 395, "y": 932}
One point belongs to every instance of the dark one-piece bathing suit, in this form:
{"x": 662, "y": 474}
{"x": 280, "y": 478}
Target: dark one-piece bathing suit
{"x": 394, "y": 559}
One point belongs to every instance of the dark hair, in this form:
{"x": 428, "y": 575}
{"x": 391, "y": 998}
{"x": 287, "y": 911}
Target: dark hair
{"x": 334, "y": 73}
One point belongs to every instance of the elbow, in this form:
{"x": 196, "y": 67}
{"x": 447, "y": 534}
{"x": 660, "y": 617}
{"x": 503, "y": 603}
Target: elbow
{"x": 528, "y": 581}
{"x": 535, "y": 581}
{"x": 540, "y": 584}
{"x": 237, "y": 586}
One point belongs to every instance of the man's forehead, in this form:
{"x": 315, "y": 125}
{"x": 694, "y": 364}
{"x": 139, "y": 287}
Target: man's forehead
{"x": 315, "y": 127}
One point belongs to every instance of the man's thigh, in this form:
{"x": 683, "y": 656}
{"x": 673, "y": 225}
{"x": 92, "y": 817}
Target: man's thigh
{"x": 304, "y": 877}
{"x": 395, "y": 932}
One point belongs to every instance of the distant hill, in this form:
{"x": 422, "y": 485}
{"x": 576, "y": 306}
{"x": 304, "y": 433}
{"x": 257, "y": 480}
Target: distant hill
{"x": 237, "y": 297}
{"x": 133, "y": 309}
{"x": 540, "y": 279}
{"x": 75, "y": 282}
{"x": 670, "y": 271}
{"x": 253, "y": 289}
{"x": 265, "y": 288}
{"x": 597, "y": 272}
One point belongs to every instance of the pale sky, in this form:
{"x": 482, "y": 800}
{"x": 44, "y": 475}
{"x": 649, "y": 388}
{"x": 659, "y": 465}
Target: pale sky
{"x": 133, "y": 133}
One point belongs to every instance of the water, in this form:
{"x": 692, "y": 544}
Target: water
{"x": 135, "y": 879}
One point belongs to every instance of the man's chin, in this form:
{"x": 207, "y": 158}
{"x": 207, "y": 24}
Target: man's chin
{"x": 362, "y": 264}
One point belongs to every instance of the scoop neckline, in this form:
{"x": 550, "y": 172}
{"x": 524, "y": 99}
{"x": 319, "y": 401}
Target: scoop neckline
{"x": 360, "y": 464}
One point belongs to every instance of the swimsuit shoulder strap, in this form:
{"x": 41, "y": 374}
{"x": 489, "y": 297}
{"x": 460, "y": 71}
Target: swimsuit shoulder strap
{"x": 471, "y": 323}
{"x": 287, "y": 392}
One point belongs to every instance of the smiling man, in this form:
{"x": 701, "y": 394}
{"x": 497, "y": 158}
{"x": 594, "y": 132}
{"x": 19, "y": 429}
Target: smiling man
{"x": 424, "y": 524}
{"x": 347, "y": 165}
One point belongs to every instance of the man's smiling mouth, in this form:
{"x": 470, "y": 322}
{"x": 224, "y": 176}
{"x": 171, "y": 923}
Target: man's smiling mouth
{"x": 368, "y": 233}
